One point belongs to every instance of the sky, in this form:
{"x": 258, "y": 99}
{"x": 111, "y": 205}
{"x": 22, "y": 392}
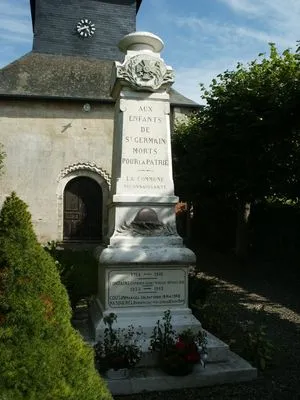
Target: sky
{"x": 202, "y": 37}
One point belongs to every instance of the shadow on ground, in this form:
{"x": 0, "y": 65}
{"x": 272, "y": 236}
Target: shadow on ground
{"x": 263, "y": 295}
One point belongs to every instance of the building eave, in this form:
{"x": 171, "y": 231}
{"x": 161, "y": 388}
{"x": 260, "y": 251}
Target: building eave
{"x": 35, "y": 75}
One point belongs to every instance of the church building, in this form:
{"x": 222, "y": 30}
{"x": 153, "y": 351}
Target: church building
{"x": 57, "y": 116}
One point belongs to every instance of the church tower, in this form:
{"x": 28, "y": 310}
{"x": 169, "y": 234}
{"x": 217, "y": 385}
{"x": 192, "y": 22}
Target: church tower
{"x": 90, "y": 28}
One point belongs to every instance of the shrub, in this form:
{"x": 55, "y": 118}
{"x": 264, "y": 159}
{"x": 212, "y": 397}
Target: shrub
{"x": 42, "y": 356}
{"x": 199, "y": 288}
{"x": 221, "y": 315}
{"x": 258, "y": 349}
{"x": 78, "y": 271}
{"x": 120, "y": 347}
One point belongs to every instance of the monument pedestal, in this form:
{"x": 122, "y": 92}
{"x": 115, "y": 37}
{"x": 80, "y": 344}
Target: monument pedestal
{"x": 140, "y": 283}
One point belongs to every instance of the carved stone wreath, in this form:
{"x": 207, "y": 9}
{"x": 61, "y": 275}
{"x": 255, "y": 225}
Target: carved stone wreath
{"x": 145, "y": 72}
{"x": 146, "y": 230}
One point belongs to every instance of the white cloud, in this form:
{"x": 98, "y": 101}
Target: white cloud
{"x": 16, "y": 38}
{"x": 277, "y": 15}
{"x": 242, "y": 6}
{"x": 14, "y": 26}
{"x": 15, "y": 29}
{"x": 230, "y": 34}
{"x": 218, "y": 44}
{"x": 10, "y": 7}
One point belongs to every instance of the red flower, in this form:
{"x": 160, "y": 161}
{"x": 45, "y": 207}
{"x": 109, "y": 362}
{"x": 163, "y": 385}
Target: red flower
{"x": 180, "y": 345}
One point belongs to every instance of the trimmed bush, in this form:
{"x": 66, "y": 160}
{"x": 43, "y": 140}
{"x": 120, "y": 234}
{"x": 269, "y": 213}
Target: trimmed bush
{"x": 78, "y": 271}
{"x": 42, "y": 356}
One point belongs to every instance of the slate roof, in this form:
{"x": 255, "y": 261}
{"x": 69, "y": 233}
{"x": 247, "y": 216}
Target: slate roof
{"x": 32, "y": 7}
{"x": 178, "y": 99}
{"x": 48, "y": 75}
{"x": 64, "y": 77}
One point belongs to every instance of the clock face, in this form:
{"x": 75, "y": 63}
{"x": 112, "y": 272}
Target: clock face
{"x": 85, "y": 28}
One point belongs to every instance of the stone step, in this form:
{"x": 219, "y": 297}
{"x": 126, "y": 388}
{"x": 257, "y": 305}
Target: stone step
{"x": 216, "y": 349}
{"x": 142, "y": 379}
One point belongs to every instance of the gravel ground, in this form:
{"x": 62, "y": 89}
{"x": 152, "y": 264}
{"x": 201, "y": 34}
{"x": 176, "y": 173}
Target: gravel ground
{"x": 266, "y": 294}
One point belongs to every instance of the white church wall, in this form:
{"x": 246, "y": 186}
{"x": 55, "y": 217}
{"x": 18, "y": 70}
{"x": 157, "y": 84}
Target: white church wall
{"x": 42, "y": 139}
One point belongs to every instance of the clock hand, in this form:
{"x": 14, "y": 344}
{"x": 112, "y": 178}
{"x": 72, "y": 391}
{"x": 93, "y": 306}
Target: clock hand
{"x": 85, "y": 27}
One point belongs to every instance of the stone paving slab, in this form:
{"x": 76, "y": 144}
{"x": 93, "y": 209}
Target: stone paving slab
{"x": 153, "y": 379}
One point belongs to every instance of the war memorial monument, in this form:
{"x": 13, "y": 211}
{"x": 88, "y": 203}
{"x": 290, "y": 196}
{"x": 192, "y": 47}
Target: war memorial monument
{"x": 144, "y": 269}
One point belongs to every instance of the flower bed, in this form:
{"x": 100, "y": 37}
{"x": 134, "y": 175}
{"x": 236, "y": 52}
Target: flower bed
{"x": 120, "y": 348}
{"x": 177, "y": 353}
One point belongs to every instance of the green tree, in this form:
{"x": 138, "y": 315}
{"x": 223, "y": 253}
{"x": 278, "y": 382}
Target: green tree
{"x": 243, "y": 145}
{"x": 42, "y": 356}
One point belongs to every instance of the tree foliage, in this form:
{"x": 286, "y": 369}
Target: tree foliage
{"x": 42, "y": 356}
{"x": 244, "y": 143}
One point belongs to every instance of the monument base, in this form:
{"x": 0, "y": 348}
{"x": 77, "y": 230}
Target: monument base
{"x": 138, "y": 285}
{"x": 141, "y": 380}
{"x": 223, "y": 367}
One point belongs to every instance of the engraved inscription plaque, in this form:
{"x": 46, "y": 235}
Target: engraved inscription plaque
{"x": 147, "y": 287}
{"x": 146, "y": 149}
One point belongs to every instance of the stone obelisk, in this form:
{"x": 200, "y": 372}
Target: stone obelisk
{"x": 144, "y": 270}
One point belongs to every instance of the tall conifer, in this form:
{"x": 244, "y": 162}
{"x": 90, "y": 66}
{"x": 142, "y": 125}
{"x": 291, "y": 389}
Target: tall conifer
{"x": 41, "y": 355}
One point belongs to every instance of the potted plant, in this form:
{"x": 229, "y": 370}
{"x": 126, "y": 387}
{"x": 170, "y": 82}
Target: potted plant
{"x": 193, "y": 345}
{"x": 177, "y": 354}
{"x": 119, "y": 350}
